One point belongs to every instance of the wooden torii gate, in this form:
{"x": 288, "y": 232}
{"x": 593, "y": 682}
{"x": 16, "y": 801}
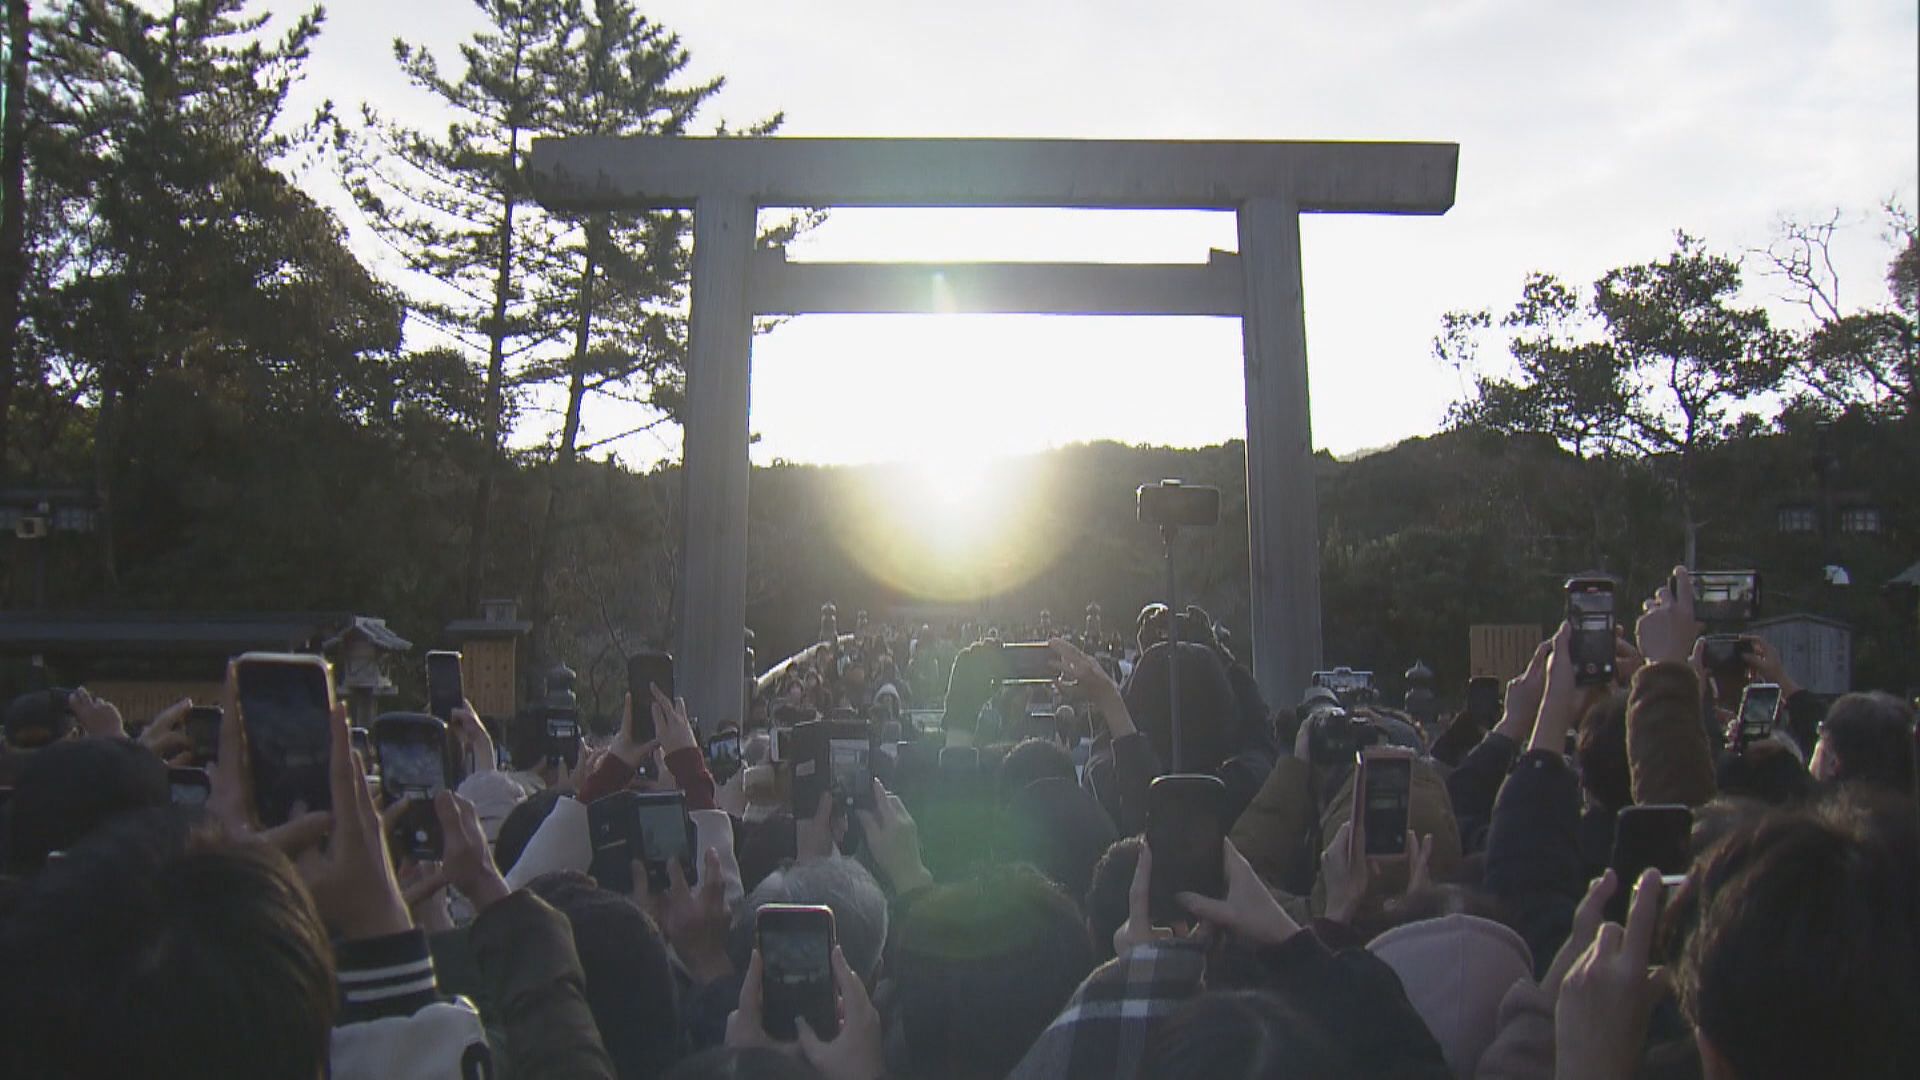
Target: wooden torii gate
{"x": 727, "y": 180}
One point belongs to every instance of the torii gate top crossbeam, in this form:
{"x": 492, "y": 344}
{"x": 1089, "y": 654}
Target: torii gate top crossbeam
{"x": 660, "y": 172}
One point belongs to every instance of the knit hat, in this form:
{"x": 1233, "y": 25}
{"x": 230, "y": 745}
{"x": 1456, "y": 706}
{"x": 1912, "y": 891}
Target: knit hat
{"x": 1456, "y": 969}
{"x": 1058, "y": 828}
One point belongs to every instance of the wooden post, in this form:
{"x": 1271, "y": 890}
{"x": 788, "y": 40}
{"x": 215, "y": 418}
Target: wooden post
{"x": 1283, "y": 529}
{"x": 713, "y": 545}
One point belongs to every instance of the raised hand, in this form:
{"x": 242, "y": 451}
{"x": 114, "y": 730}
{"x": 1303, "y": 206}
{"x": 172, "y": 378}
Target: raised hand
{"x": 1607, "y": 996}
{"x": 352, "y": 881}
{"x": 1667, "y": 628}
{"x": 98, "y": 718}
{"x": 893, "y": 840}
{"x": 1249, "y": 911}
{"x": 855, "y": 1053}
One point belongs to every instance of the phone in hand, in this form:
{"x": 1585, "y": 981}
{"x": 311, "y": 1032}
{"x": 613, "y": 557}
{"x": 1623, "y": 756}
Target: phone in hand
{"x": 850, "y": 751}
{"x": 810, "y": 766}
{"x": 1483, "y": 702}
{"x": 1383, "y": 797}
{"x": 203, "y": 732}
{"x": 662, "y": 833}
{"x": 1759, "y": 711}
{"x": 286, "y": 707}
{"x": 610, "y": 833}
{"x": 723, "y": 756}
{"x": 796, "y": 970}
{"x": 1656, "y": 837}
{"x": 1723, "y": 595}
{"x": 1590, "y": 615}
{"x": 646, "y": 670}
{"x": 188, "y": 787}
{"x": 414, "y": 767}
{"x": 563, "y": 741}
{"x": 446, "y": 687}
{"x": 1187, "y": 831}
{"x": 1028, "y": 663}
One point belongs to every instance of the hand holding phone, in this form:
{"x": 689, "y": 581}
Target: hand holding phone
{"x": 794, "y": 952}
{"x": 203, "y": 732}
{"x": 1590, "y": 614}
{"x": 1383, "y": 798}
{"x": 286, "y": 703}
{"x": 446, "y": 686}
{"x": 1649, "y": 837}
{"x": 414, "y": 767}
{"x": 1186, "y": 828}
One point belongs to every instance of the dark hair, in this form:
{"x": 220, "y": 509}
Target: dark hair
{"x": 1241, "y": 1035}
{"x": 1106, "y": 904}
{"x": 982, "y": 967}
{"x": 1209, "y": 713}
{"x": 1030, "y": 760}
{"x": 1766, "y": 770}
{"x": 630, "y": 982}
{"x": 1871, "y": 738}
{"x": 146, "y": 952}
{"x": 518, "y": 827}
{"x": 1802, "y": 958}
{"x": 1601, "y": 751}
{"x": 526, "y": 738}
{"x": 68, "y": 789}
{"x": 1058, "y": 828}
{"x": 744, "y": 1063}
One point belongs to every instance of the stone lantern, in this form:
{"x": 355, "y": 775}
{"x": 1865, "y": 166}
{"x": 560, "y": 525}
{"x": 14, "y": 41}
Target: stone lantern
{"x": 360, "y": 651}
{"x": 1421, "y": 703}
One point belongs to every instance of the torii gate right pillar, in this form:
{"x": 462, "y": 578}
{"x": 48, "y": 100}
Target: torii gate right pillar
{"x": 1283, "y": 529}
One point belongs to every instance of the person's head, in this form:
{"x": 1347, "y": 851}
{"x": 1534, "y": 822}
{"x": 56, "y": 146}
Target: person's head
{"x": 1867, "y": 738}
{"x": 38, "y": 718}
{"x": 1209, "y": 713}
{"x": 1106, "y": 902}
{"x": 859, "y": 908}
{"x": 1601, "y": 751}
{"x": 1030, "y": 760}
{"x": 145, "y": 951}
{"x": 630, "y": 982}
{"x": 1456, "y": 970}
{"x": 1801, "y": 959}
{"x": 1241, "y": 1035}
{"x": 521, "y": 823}
{"x": 66, "y": 790}
{"x": 1768, "y": 770}
{"x": 982, "y": 967}
{"x": 1058, "y": 829}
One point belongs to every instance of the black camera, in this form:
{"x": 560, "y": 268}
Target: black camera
{"x": 1353, "y": 688}
{"x": 1336, "y": 735}
{"x": 1172, "y": 503}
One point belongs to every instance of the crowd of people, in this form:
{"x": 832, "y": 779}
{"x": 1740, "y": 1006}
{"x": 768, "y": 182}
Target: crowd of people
{"x": 992, "y": 888}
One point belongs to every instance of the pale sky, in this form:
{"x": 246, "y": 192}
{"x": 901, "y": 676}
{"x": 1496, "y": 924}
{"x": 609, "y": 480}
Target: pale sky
{"x": 1588, "y": 133}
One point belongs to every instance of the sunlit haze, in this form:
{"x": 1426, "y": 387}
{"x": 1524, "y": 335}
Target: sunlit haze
{"x": 1588, "y": 133}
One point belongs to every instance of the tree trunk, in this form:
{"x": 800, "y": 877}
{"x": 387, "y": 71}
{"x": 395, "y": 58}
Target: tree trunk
{"x": 13, "y": 188}
{"x": 478, "y": 521}
{"x": 560, "y": 477}
{"x": 105, "y": 440}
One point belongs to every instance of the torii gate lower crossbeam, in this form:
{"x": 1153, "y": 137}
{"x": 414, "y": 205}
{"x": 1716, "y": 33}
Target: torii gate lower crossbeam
{"x": 726, "y": 181}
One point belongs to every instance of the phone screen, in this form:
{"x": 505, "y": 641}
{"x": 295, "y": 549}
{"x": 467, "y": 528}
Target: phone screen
{"x": 1389, "y": 781}
{"x": 1590, "y": 614}
{"x": 610, "y": 824}
{"x": 563, "y": 741}
{"x": 1186, "y": 831}
{"x": 646, "y": 670}
{"x": 284, "y": 706}
{"x": 1483, "y": 701}
{"x": 812, "y": 766}
{"x": 412, "y": 768}
{"x": 203, "y": 731}
{"x": 663, "y": 831}
{"x": 796, "y": 957}
{"x": 1722, "y": 595}
{"x": 1759, "y": 704}
{"x": 188, "y": 787}
{"x": 446, "y": 687}
{"x": 1030, "y": 662}
{"x": 852, "y": 769}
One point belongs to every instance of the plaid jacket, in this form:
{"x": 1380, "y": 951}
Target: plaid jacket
{"x": 1103, "y": 1030}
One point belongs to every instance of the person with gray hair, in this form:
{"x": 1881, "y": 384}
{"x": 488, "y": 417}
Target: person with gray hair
{"x": 859, "y": 908}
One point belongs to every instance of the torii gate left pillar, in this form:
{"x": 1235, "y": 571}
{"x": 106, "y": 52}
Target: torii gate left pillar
{"x": 726, "y": 181}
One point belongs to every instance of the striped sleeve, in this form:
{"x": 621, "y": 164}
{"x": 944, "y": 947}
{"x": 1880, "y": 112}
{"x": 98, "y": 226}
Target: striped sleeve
{"x": 385, "y": 976}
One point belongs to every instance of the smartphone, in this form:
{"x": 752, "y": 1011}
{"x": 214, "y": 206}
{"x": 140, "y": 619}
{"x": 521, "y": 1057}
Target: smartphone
{"x": 1726, "y": 654}
{"x": 1383, "y": 793}
{"x": 361, "y": 742}
{"x": 959, "y": 766}
{"x": 1028, "y": 663}
{"x": 850, "y": 748}
{"x": 1657, "y": 837}
{"x": 188, "y": 787}
{"x": 1724, "y": 595}
{"x": 662, "y": 833}
{"x": 563, "y": 741}
{"x": 286, "y": 705}
{"x": 647, "y": 669}
{"x": 1759, "y": 706}
{"x": 1590, "y": 614}
{"x": 446, "y": 687}
{"x": 1483, "y": 701}
{"x": 723, "y": 756}
{"x": 1171, "y": 503}
{"x": 203, "y": 731}
{"x": 610, "y": 829}
{"x": 796, "y": 970}
{"x": 414, "y": 768}
{"x": 810, "y": 759}
{"x": 1186, "y": 830}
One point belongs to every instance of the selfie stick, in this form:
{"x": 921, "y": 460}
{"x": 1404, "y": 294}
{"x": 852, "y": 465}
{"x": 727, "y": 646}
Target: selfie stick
{"x": 1167, "y": 533}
